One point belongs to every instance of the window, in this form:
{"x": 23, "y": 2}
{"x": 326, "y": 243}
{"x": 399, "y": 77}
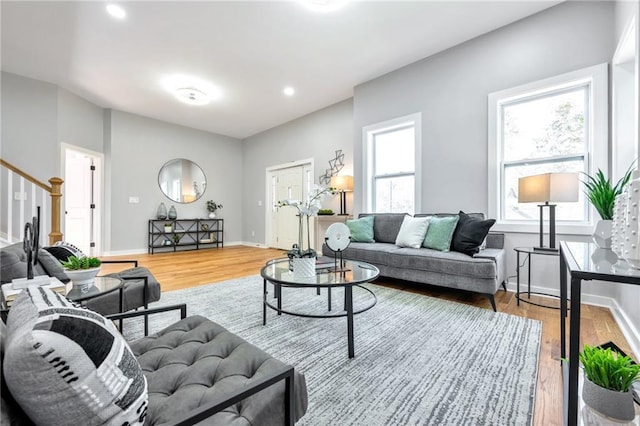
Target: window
{"x": 555, "y": 125}
{"x": 392, "y": 153}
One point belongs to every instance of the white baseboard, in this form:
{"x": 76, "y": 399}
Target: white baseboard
{"x": 628, "y": 328}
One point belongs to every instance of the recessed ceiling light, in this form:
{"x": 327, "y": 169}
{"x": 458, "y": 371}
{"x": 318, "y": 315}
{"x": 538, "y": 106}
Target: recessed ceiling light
{"x": 324, "y": 5}
{"x": 116, "y": 11}
{"x": 192, "y": 96}
{"x": 289, "y": 91}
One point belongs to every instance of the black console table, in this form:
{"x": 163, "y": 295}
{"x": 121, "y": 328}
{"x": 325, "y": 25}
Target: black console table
{"x": 582, "y": 261}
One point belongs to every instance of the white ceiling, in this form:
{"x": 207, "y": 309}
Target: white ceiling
{"x": 250, "y": 50}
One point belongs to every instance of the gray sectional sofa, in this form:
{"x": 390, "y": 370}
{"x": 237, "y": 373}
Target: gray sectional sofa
{"x": 482, "y": 273}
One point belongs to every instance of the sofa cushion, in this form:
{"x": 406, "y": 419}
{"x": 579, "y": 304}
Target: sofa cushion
{"x": 361, "y": 229}
{"x": 80, "y": 369}
{"x": 440, "y": 232}
{"x": 197, "y": 360}
{"x": 412, "y": 232}
{"x": 386, "y": 226}
{"x": 423, "y": 259}
{"x": 470, "y": 234}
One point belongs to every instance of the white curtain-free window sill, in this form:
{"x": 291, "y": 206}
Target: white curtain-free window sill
{"x": 534, "y": 228}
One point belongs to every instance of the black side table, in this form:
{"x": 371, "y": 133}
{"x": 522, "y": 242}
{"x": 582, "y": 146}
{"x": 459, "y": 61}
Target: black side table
{"x": 529, "y": 252}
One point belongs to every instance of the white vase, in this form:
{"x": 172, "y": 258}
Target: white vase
{"x": 602, "y": 234}
{"x": 613, "y": 404}
{"x": 304, "y": 267}
{"x": 619, "y": 223}
{"x": 212, "y": 215}
{"x": 631, "y": 242}
{"x": 82, "y": 278}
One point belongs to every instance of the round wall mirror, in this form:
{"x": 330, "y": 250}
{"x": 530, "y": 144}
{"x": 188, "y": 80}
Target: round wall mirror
{"x": 182, "y": 181}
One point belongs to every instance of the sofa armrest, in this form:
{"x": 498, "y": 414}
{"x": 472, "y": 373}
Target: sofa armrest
{"x": 495, "y": 240}
{"x": 240, "y": 394}
{"x": 500, "y": 258}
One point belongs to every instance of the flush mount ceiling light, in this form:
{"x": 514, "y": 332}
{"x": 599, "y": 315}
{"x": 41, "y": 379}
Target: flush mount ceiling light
{"x": 191, "y": 90}
{"x": 324, "y": 5}
{"x": 116, "y": 11}
{"x": 192, "y": 96}
{"x": 289, "y": 91}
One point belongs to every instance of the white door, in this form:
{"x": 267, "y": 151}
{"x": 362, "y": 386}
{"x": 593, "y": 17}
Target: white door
{"x": 287, "y": 184}
{"x": 80, "y": 196}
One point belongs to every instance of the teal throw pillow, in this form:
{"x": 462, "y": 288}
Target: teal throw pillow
{"x": 440, "y": 232}
{"x": 361, "y": 229}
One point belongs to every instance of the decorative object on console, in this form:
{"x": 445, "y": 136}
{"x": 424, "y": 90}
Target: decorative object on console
{"x": 162, "y": 212}
{"x": 631, "y": 236}
{"x": 325, "y": 212}
{"x": 607, "y": 384}
{"x": 212, "y": 206}
{"x": 173, "y": 214}
{"x": 167, "y": 228}
{"x": 342, "y": 184}
{"x": 545, "y": 188}
{"x": 470, "y": 234}
{"x": 602, "y": 195}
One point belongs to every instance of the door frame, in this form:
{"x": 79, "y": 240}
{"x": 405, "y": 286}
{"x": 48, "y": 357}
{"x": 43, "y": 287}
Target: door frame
{"x": 98, "y": 192}
{"x": 267, "y": 188}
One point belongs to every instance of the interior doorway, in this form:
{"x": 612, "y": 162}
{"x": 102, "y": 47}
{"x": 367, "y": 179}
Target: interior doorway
{"x": 293, "y": 182}
{"x": 83, "y": 176}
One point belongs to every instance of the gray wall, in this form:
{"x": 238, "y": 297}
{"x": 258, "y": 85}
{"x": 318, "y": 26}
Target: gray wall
{"x": 79, "y": 121}
{"x": 317, "y": 136}
{"x": 138, "y": 147}
{"x": 30, "y": 125}
{"x": 451, "y": 89}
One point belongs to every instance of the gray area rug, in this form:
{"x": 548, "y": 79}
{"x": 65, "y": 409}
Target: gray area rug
{"x": 419, "y": 360}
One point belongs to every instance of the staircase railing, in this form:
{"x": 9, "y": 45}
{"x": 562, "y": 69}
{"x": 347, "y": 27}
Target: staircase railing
{"x": 21, "y": 190}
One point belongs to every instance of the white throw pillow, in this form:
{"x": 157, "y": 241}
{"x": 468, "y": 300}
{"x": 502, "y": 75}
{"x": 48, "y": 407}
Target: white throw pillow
{"x": 412, "y": 232}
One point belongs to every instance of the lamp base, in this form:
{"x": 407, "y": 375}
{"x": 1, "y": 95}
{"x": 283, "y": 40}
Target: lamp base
{"x": 547, "y": 249}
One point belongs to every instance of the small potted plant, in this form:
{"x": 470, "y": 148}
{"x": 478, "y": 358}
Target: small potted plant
{"x": 81, "y": 270}
{"x": 167, "y": 228}
{"x": 212, "y": 206}
{"x": 607, "y": 384}
{"x": 602, "y": 195}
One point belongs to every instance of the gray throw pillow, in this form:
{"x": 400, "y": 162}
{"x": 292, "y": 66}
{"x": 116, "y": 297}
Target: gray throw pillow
{"x": 67, "y": 365}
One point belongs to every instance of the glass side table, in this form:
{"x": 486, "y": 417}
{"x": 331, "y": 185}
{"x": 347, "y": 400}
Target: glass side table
{"x": 100, "y": 286}
{"x": 529, "y": 252}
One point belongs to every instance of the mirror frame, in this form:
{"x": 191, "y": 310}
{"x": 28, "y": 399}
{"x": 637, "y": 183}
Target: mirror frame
{"x": 197, "y": 192}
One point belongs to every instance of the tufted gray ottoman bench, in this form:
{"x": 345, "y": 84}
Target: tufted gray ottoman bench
{"x": 197, "y": 360}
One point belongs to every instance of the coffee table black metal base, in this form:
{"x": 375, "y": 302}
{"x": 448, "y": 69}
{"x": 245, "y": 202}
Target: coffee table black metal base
{"x": 360, "y": 273}
{"x": 348, "y": 303}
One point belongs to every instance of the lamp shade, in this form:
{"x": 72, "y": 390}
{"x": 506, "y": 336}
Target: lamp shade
{"x": 342, "y": 183}
{"x": 554, "y": 187}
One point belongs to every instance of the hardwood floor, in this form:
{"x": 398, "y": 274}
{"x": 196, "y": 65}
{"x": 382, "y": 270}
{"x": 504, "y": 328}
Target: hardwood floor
{"x": 188, "y": 269}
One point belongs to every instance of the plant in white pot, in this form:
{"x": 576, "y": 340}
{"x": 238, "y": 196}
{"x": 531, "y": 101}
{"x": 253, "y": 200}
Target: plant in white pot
{"x": 607, "y": 384}
{"x": 81, "y": 270}
{"x": 212, "y": 206}
{"x": 602, "y": 195}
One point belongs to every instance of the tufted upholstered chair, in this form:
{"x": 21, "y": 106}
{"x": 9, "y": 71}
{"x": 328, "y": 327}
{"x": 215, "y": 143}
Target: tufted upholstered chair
{"x": 200, "y": 373}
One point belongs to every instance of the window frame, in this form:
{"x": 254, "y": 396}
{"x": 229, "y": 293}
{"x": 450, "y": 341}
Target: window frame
{"x": 596, "y": 155}
{"x": 368, "y": 135}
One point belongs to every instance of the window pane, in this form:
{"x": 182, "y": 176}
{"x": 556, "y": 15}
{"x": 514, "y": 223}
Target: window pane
{"x": 394, "y": 152}
{"x": 546, "y": 126}
{"x": 394, "y": 195}
{"x": 530, "y": 211}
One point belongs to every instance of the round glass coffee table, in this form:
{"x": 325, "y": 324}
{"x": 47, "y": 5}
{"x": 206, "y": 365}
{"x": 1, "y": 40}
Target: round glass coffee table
{"x": 100, "y": 286}
{"x": 351, "y": 274}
